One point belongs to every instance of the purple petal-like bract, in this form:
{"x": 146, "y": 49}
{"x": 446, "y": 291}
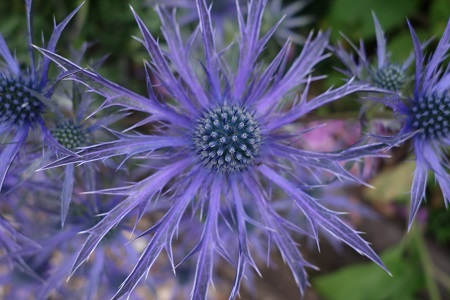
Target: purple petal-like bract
{"x": 221, "y": 149}
{"x": 24, "y": 95}
{"x": 424, "y": 112}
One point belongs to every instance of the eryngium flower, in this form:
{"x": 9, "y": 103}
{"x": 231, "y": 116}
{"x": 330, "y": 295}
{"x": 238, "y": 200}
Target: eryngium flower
{"x": 75, "y": 132}
{"x": 222, "y": 143}
{"x": 24, "y": 95}
{"x": 386, "y": 75}
{"x": 426, "y": 119}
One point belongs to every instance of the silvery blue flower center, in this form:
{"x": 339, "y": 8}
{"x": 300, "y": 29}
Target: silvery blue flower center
{"x": 227, "y": 138}
{"x": 431, "y": 115}
{"x": 17, "y": 105}
{"x": 390, "y": 77}
{"x": 69, "y": 135}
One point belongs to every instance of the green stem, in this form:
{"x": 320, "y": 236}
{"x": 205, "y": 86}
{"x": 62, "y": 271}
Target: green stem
{"x": 427, "y": 263}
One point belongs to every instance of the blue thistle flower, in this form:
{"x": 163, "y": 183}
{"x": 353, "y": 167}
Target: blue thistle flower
{"x": 24, "y": 95}
{"x": 387, "y": 75}
{"x": 425, "y": 114}
{"x": 70, "y": 134}
{"x": 222, "y": 146}
{"x": 77, "y": 132}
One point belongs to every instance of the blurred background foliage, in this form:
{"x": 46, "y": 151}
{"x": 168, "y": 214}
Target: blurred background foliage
{"x": 109, "y": 26}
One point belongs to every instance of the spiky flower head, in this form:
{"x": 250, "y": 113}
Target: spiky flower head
{"x": 227, "y": 139}
{"x": 425, "y": 113}
{"x": 385, "y": 74}
{"x": 429, "y": 116}
{"x": 222, "y": 150}
{"x": 390, "y": 77}
{"x": 17, "y": 105}
{"x": 69, "y": 134}
{"x": 75, "y": 132}
{"x": 24, "y": 94}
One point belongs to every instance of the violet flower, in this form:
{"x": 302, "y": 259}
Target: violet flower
{"x": 425, "y": 113}
{"x": 385, "y": 74}
{"x": 25, "y": 95}
{"x": 220, "y": 143}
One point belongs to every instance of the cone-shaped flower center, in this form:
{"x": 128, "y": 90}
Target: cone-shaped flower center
{"x": 227, "y": 138}
{"x": 431, "y": 114}
{"x": 17, "y": 105}
{"x": 390, "y": 77}
{"x": 69, "y": 135}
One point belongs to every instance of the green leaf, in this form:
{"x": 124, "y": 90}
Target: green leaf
{"x": 439, "y": 12}
{"x": 369, "y": 282}
{"x": 392, "y": 184}
{"x": 354, "y": 18}
{"x": 401, "y": 47}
